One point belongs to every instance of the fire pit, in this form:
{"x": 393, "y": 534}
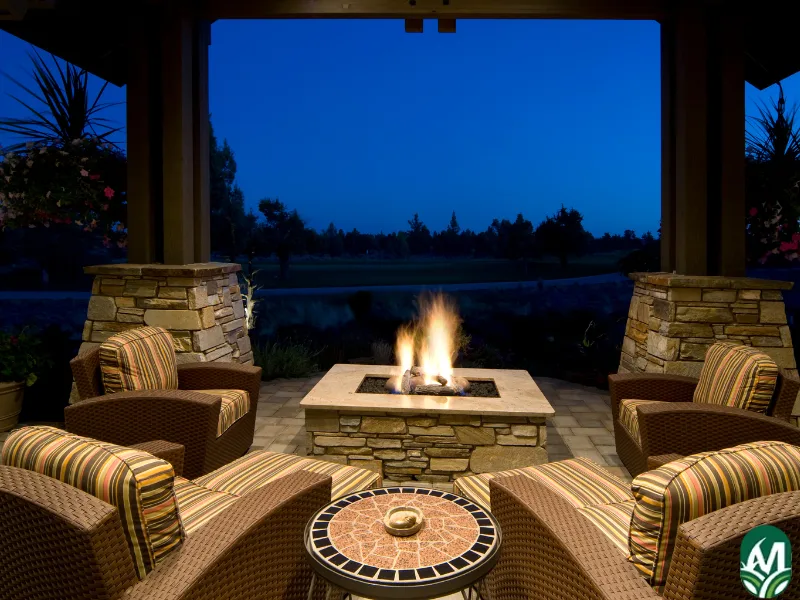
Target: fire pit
{"x": 448, "y": 423}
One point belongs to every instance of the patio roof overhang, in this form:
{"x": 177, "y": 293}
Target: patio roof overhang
{"x": 87, "y": 32}
{"x": 159, "y": 49}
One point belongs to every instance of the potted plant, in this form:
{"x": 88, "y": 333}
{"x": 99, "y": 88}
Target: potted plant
{"x": 21, "y": 359}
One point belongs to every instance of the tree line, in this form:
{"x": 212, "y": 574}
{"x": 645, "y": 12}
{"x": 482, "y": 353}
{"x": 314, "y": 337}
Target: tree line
{"x": 278, "y": 230}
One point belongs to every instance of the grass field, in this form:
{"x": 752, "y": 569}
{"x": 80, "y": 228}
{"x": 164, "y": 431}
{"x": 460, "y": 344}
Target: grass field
{"x": 311, "y": 272}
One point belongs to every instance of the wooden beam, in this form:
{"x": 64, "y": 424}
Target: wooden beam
{"x": 459, "y": 9}
{"x": 732, "y": 240}
{"x": 143, "y": 145}
{"x": 447, "y": 25}
{"x": 178, "y": 143}
{"x": 691, "y": 140}
{"x": 13, "y": 10}
{"x": 667, "y": 146}
{"x": 202, "y": 134}
{"x": 414, "y": 25}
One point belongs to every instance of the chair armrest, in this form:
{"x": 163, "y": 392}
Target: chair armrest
{"x": 549, "y": 548}
{"x": 86, "y": 371}
{"x": 58, "y": 541}
{"x": 689, "y": 427}
{"x": 168, "y": 451}
{"x": 705, "y": 562}
{"x": 649, "y": 386}
{"x": 254, "y": 549}
{"x": 219, "y": 375}
{"x": 654, "y": 462}
{"x": 183, "y": 417}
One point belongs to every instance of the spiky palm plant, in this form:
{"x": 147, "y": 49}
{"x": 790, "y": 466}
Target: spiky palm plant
{"x": 772, "y": 135}
{"x": 66, "y": 111}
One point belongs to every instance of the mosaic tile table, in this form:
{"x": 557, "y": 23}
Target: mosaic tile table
{"x": 348, "y": 546}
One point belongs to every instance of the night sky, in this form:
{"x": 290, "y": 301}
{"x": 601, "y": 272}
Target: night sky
{"x": 362, "y": 124}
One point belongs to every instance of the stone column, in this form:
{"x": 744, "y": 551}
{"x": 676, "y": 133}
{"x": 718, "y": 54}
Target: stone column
{"x": 673, "y": 319}
{"x": 199, "y": 304}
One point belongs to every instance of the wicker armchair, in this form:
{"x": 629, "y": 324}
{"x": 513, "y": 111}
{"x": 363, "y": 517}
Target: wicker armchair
{"x": 674, "y": 424}
{"x": 551, "y": 551}
{"x": 59, "y": 542}
{"x": 184, "y": 416}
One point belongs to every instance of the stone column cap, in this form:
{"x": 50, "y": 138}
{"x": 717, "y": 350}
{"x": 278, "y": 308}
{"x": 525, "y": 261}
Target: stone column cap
{"x": 208, "y": 269}
{"x": 710, "y": 281}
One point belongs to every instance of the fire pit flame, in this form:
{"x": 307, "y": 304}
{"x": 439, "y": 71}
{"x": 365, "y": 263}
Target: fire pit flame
{"x": 433, "y": 342}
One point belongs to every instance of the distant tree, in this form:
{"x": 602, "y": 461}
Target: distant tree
{"x": 647, "y": 238}
{"x": 229, "y": 223}
{"x": 334, "y": 240}
{"x": 284, "y": 231}
{"x": 562, "y": 235}
{"x": 419, "y": 237}
{"x": 629, "y": 235}
{"x": 453, "y": 227}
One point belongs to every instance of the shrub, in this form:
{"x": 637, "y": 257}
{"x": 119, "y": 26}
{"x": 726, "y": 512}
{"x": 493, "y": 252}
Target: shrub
{"x": 286, "y": 359}
{"x": 22, "y": 357}
{"x": 80, "y": 185}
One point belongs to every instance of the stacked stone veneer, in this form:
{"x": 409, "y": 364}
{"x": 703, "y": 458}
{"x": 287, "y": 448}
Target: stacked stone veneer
{"x": 432, "y": 448}
{"x": 199, "y": 304}
{"x": 673, "y": 319}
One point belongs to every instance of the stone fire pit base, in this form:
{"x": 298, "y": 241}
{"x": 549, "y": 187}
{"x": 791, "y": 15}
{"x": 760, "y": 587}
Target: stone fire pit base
{"x": 427, "y": 438}
{"x": 433, "y": 448}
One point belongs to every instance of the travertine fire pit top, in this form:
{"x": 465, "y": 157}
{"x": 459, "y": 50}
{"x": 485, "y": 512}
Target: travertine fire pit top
{"x": 519, "y": 394}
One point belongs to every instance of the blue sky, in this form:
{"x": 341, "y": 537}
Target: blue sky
{"x": 359, "y": 123}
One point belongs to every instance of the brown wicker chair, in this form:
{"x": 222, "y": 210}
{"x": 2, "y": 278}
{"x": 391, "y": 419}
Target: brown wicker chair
{"x": 677, "y": 425}
{"x": 59, "y": 542}
{"x": 551, "y": 551}
{"x": 183, "y": 416}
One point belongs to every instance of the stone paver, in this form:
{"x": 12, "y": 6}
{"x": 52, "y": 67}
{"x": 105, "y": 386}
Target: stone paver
{"x": 582, "y": 425}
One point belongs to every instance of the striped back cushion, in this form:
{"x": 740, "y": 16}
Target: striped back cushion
{"x": 139, "y": 359}
{"x": 137, "y": 483}
{"x": 699, "y": 484}
{"x": 738, "y": 376}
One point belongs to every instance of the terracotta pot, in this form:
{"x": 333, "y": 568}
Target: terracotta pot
{"x": 11, "y": 394}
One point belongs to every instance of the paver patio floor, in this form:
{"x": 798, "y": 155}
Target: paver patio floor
{"x": 582, "y": 425}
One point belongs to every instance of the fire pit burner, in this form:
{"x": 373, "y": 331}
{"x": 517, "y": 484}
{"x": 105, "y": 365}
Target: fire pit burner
{"x": 473, "y": 388}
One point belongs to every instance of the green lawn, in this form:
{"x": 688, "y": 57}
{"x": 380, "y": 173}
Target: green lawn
{"x": 310, "y": 272}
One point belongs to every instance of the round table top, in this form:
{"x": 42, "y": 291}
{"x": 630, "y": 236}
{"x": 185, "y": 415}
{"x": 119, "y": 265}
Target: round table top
{"x": 456, "y": 546}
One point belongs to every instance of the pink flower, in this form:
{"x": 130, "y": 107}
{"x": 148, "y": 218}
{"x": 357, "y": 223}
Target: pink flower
{"x": 94, "y": 177}
{"x": 106, "y": 242}
{"x": 84, "y": 173}
{"x": 753, "y": 211}
{"x": 786, "y": 246}
{"x": 108, "y": 192}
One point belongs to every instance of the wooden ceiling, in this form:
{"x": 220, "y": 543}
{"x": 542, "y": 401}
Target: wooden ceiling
{"x": 91, "y": 33}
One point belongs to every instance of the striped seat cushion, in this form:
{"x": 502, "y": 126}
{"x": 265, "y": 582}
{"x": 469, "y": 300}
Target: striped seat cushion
{"x": 578, "y": 480}
{"x": 699, "y": 484}
{"x": 629, "y": 418}
{"x": 138, "y": 484}
{"x": 602, "y": 498}
{"x": 139, "y": 359}
{"x": 235, "y": 405}
{"x": 257, "y": 469}
{"x": 737, "y": 376}
{"x": 198, "y": 505}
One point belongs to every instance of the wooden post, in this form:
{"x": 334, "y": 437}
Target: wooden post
{"x": 691, "y": 143}
{"x": 731, "y": 146}
{"x": 177, "y": 46}
{"x": 667, "y": 146}
{"x": 202, "y": 182}
{"x": 143, "y": 125}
